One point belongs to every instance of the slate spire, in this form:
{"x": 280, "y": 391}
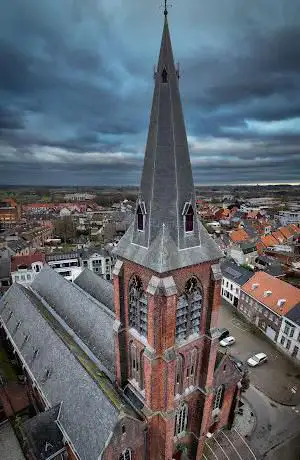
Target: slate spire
{"x": 166, "y": 221}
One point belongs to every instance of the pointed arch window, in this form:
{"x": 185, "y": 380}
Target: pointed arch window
{"x": 192, "y": 367}
{"x": 126, "y": 455}
{"x": 188, "y": 217}
{"x": 219, "y": 397}
{"x": 164, "y": 75}
{"x": 141, "y": 215}
{"x": 138, "y": 306}
{"x": 179, "y": 375}
{"x": 136, "y": 365}
{"x": 181, "y": 419}
{"x": 189, "y": 306}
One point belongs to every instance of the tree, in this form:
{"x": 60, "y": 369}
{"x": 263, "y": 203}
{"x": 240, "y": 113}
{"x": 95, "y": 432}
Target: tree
{"x": 65, "y": 229}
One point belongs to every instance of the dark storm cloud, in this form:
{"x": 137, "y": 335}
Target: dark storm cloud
{"x": 76, "y": 88}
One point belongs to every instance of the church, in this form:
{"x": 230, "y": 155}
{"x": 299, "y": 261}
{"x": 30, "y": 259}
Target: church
{"x": 131, "y": 370}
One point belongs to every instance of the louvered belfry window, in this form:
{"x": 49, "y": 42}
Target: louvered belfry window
{"x": 138, "y": 306}
{"x": 189, "y": 308}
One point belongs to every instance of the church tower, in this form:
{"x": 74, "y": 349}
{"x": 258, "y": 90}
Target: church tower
{"x": 167, "y": 289}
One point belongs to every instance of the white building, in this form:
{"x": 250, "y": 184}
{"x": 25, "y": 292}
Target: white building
{"x": 67, "y": 265}
{"x": 79, "y": 196}
{"x": 289, "y": 334}
{"x": 233, "y": 277}
{"x": 25, "y": 268}
{"x": 289, "y": 217}
{"x": 99, "y": 261}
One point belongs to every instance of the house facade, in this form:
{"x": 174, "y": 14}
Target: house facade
{"x": 289, "y": 334}
{"x": 264, "y": 302}
{"x": 233, "y": 278}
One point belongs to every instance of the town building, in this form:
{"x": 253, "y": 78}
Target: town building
{"x": 289, "y": 334}
{"x": 66, "y": 264}
{"x": 79, "y": 196}
{"x": 5, "y": 278}
{"x": 243, "y": 253}
{"x": 233, "y": 278}
{"x": 99, "y": 261}
{"x": 9, "y": 212}
{"x": 289, "y": 217}
{"x": 138, "y": 375}
{"x": 25, "y": 268}
{"x": 265, "y": 300}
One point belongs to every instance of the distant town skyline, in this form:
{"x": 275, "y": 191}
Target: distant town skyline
{"x": 76, "y": 88}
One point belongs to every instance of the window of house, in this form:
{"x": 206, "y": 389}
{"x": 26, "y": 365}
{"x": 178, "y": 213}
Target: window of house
{"x": 181, "y": 418}
{"x": 23, "y": 277}
{"x": 138, "y": 306}
{"x": 298, "y": 340}
{"x": 227, "y": 283}
{"x": 271, "y": 317}
{"x": 189, "y": 306}
{"x": 236, "y": 290}
{"x": 85, "y": 263}
{"x": 288, "y": 344}
{"x": 126, "y": 455}
{"x": 219, "y": 396}
{"x": 28, "y": 276}
{"x": 231, "y": 287}
{"x": 223, "y": 281}
{"x": 17, "y": 278}
{"x": 282, "y": 340}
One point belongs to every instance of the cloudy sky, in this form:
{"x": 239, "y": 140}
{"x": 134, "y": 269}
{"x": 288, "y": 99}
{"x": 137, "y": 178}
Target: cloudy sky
{"x": 76, "y": 82}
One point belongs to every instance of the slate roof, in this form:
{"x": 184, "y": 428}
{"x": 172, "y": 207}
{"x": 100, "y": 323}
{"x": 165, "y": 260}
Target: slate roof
{"x": 44, "y": 434}
{"x": 4, "y": 267}
{"x": 235, "y": 272}
{"x": 294, "y": 314}
{"x": 99, "y": 288}
{"x": 87, "y": 415}
{"x": 166, "y": 184}
{"x": 90, "y": 320}
{"x": 163, "y": 255}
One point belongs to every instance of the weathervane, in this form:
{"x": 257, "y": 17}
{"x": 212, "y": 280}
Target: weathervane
{"x": 166, "y": 7}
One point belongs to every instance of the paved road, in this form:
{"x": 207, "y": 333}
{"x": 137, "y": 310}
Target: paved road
{"x": 274, "y": 378}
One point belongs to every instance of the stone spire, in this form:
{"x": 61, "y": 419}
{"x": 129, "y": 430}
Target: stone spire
{"x": 166, "y": 234}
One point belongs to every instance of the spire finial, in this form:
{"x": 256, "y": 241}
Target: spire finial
{"x": 166, "y": 7}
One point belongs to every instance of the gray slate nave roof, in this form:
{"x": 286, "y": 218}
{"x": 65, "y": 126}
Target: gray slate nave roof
{"x": 167, "y": 183}
{"x": 59, "y": 374}
{"x": 90, "y": 320}
{"x": 236, "y": 273}
{"x": 99, "y": 288}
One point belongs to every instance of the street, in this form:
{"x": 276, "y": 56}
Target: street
{"x": 278, "y": 376}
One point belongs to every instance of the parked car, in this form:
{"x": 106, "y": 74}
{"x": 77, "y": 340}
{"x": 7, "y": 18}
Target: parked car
{"x": 227, "y": 341}
{"x": 223, "y": 332}
{"x": 257, "y": 359}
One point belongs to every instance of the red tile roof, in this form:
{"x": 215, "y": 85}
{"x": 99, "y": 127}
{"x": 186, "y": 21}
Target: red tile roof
{"x": 238, "y": 235}
{"x": 268, "y": 290}
{"x": 16, "y": 261}
{"x": 279, "y": 236}
{"x": 269, "y": 240}
{"x": 286, "y": 232}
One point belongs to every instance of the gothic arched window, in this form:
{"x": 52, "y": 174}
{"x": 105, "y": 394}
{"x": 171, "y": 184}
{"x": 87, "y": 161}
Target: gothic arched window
{"x": 219, "y": 396}
{"x": 126, "y": 455}
{"x": 189, "y": 307}
{"x": 136, "y": 371}
{"x": 141, "y": 213}
{"x": 164, "y": 76}
{"x": 188, "y": 215}
{"x": 179, "y": 375}
{"x": 192, "y": 367}
{"x": 181, "y": 418}
{"x": 138, "y": 306}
